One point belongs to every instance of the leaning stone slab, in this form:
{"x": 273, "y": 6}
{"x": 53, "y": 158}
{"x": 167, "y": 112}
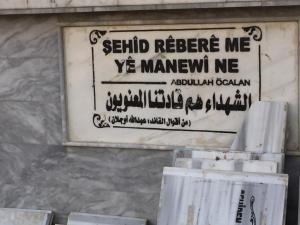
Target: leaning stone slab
{"x": 263, "y": 129}
{"x": 228, "y": 165}
{"x": 203, "y": 197}
{"x": 229, "y": 155}
{"x": 93, "y": 219}
{"x": 9, "y": 216}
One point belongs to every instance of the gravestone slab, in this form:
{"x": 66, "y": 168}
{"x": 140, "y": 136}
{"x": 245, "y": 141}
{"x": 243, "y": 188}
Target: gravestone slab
{"x": 10, "y": 216}
{"x": 263, "y": 129}
{"x": 93, "y": 219}
{"x": 229, "y": 155}
{"x": 201, "y": 197}
{"x": 228, "y": 165}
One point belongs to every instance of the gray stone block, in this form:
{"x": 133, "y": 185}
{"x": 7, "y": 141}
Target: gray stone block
{"x": 29, "y": 79}
{"x": 29, "y": 36}
{"x": 22, "y": 122}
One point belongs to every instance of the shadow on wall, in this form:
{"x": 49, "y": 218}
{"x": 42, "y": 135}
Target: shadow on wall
{"x": 292, "y": 167}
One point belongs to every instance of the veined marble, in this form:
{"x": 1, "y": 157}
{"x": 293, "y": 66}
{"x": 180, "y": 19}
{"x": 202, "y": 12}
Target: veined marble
{"x": 228, "y": 165}
{"x": 106, "y": 106}
{"x": 263, "y": 129}
{"x": 201, "y": 197}
{"x": 93, "y": 219}
{"x": 229, "y": 155}
{"x": 25, "y": 217}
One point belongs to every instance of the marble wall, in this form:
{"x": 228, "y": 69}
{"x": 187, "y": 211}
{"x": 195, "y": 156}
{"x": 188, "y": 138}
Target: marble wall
{"x": 36, "y": 171}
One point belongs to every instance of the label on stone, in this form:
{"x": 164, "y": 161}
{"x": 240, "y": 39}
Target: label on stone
{"x": 176, "y": 85}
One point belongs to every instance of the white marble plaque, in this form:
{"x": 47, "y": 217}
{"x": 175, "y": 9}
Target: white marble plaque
{"x": 176, "y": 85}
{"x": 202, "y": 197}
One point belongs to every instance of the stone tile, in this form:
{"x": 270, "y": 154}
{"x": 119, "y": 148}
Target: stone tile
{"x": 22, "y": 122}
{"x": 95, "y": 219}
{"x": 25, "y": 217}
{"x": 263, "y": 129}
{"x": 213, "y": 197}
{"x": 29, "y": 79}
{"x": 126, "y": 170}
{"x": 15, "y": 159}
{"x": 29, "y": 36}
{"x": 54, "y": 123}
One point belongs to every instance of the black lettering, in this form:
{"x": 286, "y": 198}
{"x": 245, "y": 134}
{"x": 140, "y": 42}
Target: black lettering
{"x": 245, "y": 44}
{"x": 221, "y": 64}
{"x": 232, "y": 45}
{"x": 182, "y": 66}
{"x": 192, "y": 45}
{"x": 117, "y": 47}
{"x": 233, "y": 65}
{"x": 159, "y": 45}
{"x": 144, "y": 45}
{"x": 203, "y": 45}
{"x": 147, "y": 66}
{"x": 180, "y": 45}
{"x": 107, "y": 47}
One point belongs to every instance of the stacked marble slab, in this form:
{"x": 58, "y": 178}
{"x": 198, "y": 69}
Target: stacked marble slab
{"x": 257, "y": 147}
{"x": 214, "y": 197}
{"x": 241, "y": 185}
{"x": 25, "y": 217}
{"x": 93, "y": 219}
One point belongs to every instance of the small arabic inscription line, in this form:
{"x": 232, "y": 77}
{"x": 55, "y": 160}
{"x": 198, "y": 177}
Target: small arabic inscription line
{"x": 133, "y": 82}
{"x": 156, "y": 128}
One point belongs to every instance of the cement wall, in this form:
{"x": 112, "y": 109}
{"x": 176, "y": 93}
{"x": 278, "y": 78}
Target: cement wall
{"x": 37, "y": 171}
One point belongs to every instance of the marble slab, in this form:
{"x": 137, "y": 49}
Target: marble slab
{"x": 228, "y": 165}
{"x": 10, "y": 216}
{"x": 130, "y": 87}
{"x": 222, "y": 154}
{"x": 93, "y": 219}
{"x": 263, "y": 129}
{"x": 201, "y": 197}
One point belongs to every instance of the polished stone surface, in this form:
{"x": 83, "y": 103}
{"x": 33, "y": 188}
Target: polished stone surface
{"x": 90, "y": 180}
{"x": 94, "y": 219}
{"x": 264, "y": 129}
{"x": 222, "y": 154}
{"x": 10, "y": 216}
{"x": 204, "y": 197}
{"x": 228, "y": 165}
{"x": 104, "y": 106}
